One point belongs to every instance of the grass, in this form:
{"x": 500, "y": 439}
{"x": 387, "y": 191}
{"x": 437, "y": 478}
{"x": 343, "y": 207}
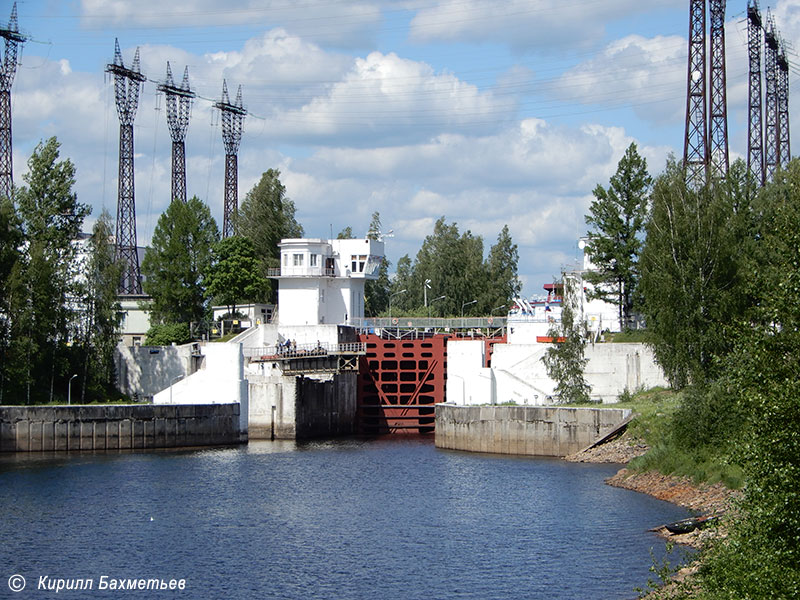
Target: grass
{"x": 627, "y": 336}
{"x": 655, "y": 409}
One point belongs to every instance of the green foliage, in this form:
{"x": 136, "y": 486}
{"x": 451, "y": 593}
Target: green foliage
{"x": 41, "y": 280}
{"x": 234, "y": 276}
{"x": 565, "y": 362}
{"x": 692, "y": 274}
{"x": 345, "y": 234}
{"x": 176, "y": 262}
{"x": 165, "y": 334}
{"x": 377, "y": 291}
{"x": 265, "y": 217}
{"x": 618, "y": 217}
{"x": 102, "y": 315}
{"x": 503, "y": 284}
{"x": 454, "y": 264}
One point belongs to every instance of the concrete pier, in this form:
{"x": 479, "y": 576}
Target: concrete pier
{"x": 525, "y": 430}
{"x": 117, "y": 427}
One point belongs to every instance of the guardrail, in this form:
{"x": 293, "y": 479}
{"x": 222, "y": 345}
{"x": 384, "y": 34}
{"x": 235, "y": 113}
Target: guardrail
{"x": 283, "y": 351}
{"x": 432, "y": 323}
{"x": 301, "y": 272}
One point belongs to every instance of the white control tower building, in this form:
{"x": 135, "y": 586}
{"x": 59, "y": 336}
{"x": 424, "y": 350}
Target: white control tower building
{"x": 322, "y": 281}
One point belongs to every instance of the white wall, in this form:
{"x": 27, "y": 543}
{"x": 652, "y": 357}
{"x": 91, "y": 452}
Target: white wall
{"x": 220, "y": 382}
{"x": 520, "y": 375}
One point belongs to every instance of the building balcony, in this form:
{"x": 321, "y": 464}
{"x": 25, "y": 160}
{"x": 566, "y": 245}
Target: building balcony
{"x": 300, "y": 272}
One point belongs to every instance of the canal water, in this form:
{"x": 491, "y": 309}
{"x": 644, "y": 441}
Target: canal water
{"x": 351, "y": 519}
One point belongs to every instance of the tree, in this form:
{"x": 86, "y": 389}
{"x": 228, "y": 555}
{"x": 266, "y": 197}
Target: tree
{"x": 11, "y": 243}
{"x": 234, "y": 275}
{"x": 376, "y": 291}
{"x": 102, "y": 312}
{"x": 265, "y": 217}
{"x": 175, "y": 264}
{"x": 759, "y": 558}
{"x": 51, "y": 219}
{"x": 345, "y": 234}
{"x": 501, "y": 266}
{"x": 691, "y": 272}
{"x": 618, "y": 217}
{"x": 165, "y": 334}
{"x": 565, "y": 361}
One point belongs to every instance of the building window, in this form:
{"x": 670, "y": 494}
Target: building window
{"x": 313, "y": 260}
{"x": 285, "y": 260}
{"x": 297, "y": 260}
{"x": 362, "y": 259}
{"x": 353, "y": 262}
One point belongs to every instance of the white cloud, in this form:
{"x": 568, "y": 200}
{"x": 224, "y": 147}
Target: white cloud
{"x": 343, "y": 24}
{"x": 546, "y": 25}
{"x": 648, "y": 74}
{"x": 385, "y": 99}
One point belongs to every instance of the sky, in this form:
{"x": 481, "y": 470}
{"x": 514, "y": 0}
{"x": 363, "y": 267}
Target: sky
{"x": 487, "y": 113}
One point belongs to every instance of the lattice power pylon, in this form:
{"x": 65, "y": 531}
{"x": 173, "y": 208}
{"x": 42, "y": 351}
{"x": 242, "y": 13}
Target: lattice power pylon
{"x": 755, "y": 134}
{"x": 126, "y": 91}
{"x": 718, "y": 124}
{"x": 771, "y": 150}
{"x": 695, "y": 147}
{"x": 179, "y": 102}
{"x": 784, "y": 150}
{"x": 232, "y": 117}
{"x": 8, "y": 68}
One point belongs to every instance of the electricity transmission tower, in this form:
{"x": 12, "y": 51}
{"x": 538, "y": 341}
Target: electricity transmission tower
{"x": 232, "y": 117}
{"x": 179, "y": 99}
{"x": 126, "y": 91}
{"x": 8, "y": 69}
{"x": 784, "y": 151}
{"x": 771, "y": 153}
{"x": 695, "y": 146}
{"x": 755, "y": 134}
{"x": 718, "y": 125}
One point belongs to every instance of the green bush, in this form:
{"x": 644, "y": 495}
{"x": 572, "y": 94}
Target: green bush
{"x": 166, "y": 334}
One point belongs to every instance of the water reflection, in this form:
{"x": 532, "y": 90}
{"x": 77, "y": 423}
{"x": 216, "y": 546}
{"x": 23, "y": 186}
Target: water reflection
{"x": 356, "y": 518}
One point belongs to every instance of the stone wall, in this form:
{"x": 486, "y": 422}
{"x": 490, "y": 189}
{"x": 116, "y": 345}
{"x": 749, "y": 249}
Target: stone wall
{"x": 289, "y": 407}
{"x": 528, "y": 430}
{"x": 117, "y": 427}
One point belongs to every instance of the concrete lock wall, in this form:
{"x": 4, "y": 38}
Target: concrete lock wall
{"x": 527, "y": 430}
{"x": 521, "y": 376}
{"x": 287, "y": 407}
{"x": 147, "y": 370}
{"x": 116, "y": 427}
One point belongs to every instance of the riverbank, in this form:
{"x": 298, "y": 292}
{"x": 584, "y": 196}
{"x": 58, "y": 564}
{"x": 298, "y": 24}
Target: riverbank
{"x": 704, "y": 498}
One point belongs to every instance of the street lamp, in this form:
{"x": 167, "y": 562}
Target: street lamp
{"x": 497, "y": 308}
{"x": 466, "y": 304}
{"x": 431, "y": 303}
{"x": 425, "y": 289}
{"x": 171, "y": 383}
{"x": 390, "y": 301}
{"x": 69, "y": 389}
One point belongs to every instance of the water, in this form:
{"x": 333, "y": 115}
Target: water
{"x": 350, "y": 519}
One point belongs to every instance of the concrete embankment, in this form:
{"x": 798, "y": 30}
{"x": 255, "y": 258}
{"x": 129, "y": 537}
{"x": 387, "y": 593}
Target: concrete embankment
{"x": 524, "y": 430}
{"x": 117, "y": 427}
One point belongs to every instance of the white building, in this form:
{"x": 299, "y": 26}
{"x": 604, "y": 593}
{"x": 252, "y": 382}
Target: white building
{"x": 322, "y": 281}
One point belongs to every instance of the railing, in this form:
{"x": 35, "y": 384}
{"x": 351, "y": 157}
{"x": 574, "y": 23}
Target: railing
{"x": 301, "y": 272}
{"x": 282, "y": 351}
{"x": 432, "y": 323}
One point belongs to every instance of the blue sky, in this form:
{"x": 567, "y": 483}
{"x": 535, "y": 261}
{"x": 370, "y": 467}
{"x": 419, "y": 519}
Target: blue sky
{"x": 485, "y": 112}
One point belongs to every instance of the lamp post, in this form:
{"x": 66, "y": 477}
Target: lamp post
{"x": 431, "y": 304}
{"x": 390, "y": 301}
{"x": 497, "y": 308}
{"x": 171, "y": 383}
{"x": 425, "y": 289}
{"x": 69, "y": 389}
{"x": 466, "y": 304}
